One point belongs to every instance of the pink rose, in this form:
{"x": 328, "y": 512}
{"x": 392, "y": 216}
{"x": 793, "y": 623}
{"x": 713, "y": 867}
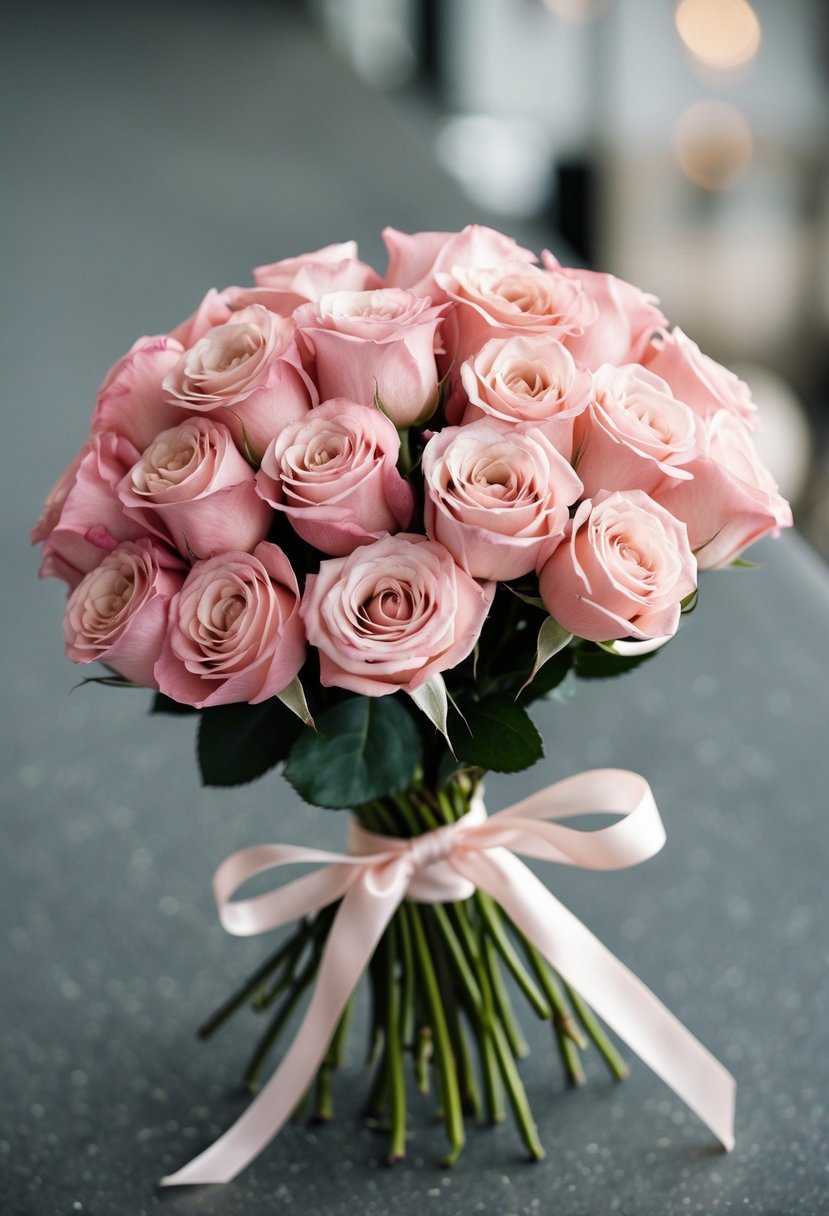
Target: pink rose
{"x": 623, "y": 571}
{"x": 283, "y": 286}
{"x": 634, "y": 434}
{"x": 732, "y": 500}
{"x": 703, "y": 384}
{"x": 194, "y": 488}
{"x": 626, "y": 318}
{"x": 130, "y": 400}
{"x": 510, "y": 299}
{"x": 247, "y": 374}
{"x": 117, "y": 614}
{"x": 527, "y": 379}
{"x": 84, "y": 519}
{"x": 234, "y": 630}
{"x": 334, "y": 475}
{"x": 375, "y": 342}
{"x": 392, "y": 614}
{"x": 215, "y": 309}
{"x": 497, "y": 496}
{"x": 415, "y": 258}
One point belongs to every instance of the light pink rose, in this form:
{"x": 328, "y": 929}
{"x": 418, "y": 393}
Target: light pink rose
{"x": 634, "y": 435}
{"x": 497, "y": 496}
{"x": 510, "y": 299}
{"x": 247, "y": 374}
{"x": 193, "y": 488}
{"x": 415, "y": 258}
{"x": 375, "y": 342}
{"x": 117, "y": 614}
{"x": 392, "y": 614}
{"x": 623, "y": 571}
{"x": 334, "y": 475}
{"x": 527, "y": 379}
{"x": 703, "y": 384}
{"x": 84, "y": 519}
{"x": 234, "y": 631}
{"x": 625, "y": 321}
{"x": 283, "y": 286}
{"x": 130, "y": 400}
{"x": 732, "y": 500}
{"x": 215, "y": 309}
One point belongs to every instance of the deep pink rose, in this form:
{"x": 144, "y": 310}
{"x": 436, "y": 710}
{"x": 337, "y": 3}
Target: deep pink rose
{"x": 392, "y": 614}
{"x": 130, "y": 400}
{"x": 283, "y": 286}
{"x": 194, "y": 488}
{"x": 626, "y": 318}
{"x": 703, "y": 384}
{"x": 247, "y": 374}
{"x": 375, "y": 342}
{"x": 732, "y": 500}
{"x": 497, "y": 496}
{"x": 117, "y": 614}
{"x": 334, "y": 475}
{"x": 84, "y": 519}
{"x": 634, "y": 434}
{"x": 234, "y": 630}
{"x": 415, "y": 258}
{"x": 527, "y": 379}
{"x": 623, "y": 571}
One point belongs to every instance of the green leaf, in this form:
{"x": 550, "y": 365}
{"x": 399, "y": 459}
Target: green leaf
{"x": 366, "y": 747}
{"x": 552, "y": 638}
{"x": 593, "y": 663}
{"x": 240, "y": 742}
{"x": 501, "y": 735}
{"x": 166, "y": 705}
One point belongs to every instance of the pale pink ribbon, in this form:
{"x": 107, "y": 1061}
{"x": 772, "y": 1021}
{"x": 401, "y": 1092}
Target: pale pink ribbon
{"x": 379, "y": 872}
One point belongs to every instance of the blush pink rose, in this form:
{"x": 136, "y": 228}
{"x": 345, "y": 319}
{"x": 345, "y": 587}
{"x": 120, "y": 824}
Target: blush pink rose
{"x": 215, "y": 309}
{"x": 704, "y": 385}
{"x": 732, "y": 499}
{"x": 247, "y": 374}
{"x": 497, "y": 496}
{"x": 415, "y": 258}
{"x": 623, "y": 571}
{"x": 527, "y": 379}
{"x": 375, "y": 342}
{"x": 193, "y": 488}
{"x": 283, "y": 286}
{"x": 634, "y": 434}
{"x": 234, "y": 631}
{"x": 392, "y": 614}
{"x": 626, "y": 318}
{"x": 334, "y": 475}
{"x": 83, "y": 518}
{"x": 117, "y": 614}
{"x": 130, "y": 400}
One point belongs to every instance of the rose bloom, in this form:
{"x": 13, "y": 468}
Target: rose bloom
{"x": 634, "y": 435}
{"x": 369, "y": 343}
{"x": 622, "y": 572}
{"x": 732, "y": 500}
{"x": 194, "y": 488}
{"x": 234, "y": 630}
{"x": 130, "y": 400}
{"x": 415, "y": 258}
{"x": 497, "y": 496}
{"x": 392, "y": 614}
{"x": 83, "y": 518}
{"x": 282, "y": 286}
{"x": 247, "y": 374}
{"x": 526, "y": 379}
{"x": 117, "y": 614}
{"x": 703, "y": 384}
{"x": 334, "y": 475}
{"x": 215, "y": 309}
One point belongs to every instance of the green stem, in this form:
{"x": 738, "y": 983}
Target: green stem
{"x": 614, "y": 1061}
{"x": 515, "y": 1037}
{"x": 243, "y": 994}
{"x": 517, "y": 1094}
{"x": 491, "y": 915}
{"x": 562, "y": 1016}
{"x": 394, "y": 1050}
{"x": 493, "y": 1089}
{"x": 269, "y": 1038}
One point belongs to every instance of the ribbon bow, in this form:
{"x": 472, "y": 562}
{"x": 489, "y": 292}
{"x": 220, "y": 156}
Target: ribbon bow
{"x": 379, "y": 872}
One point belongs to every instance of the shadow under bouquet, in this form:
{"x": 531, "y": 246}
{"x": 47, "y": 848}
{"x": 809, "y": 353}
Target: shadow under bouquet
{"x": 359, "y": 525}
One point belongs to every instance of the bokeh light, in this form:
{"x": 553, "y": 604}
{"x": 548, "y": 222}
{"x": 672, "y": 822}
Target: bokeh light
{"x": 721, "y": 33}
{"x": 713, "y": 144}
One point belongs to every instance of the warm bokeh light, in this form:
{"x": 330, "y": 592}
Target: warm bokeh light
{"x": 577, "y": 12}
{"x": 713, "y": 144}
{"x": 722, "y": 33}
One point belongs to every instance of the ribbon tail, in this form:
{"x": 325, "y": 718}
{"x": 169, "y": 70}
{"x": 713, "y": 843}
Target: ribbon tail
{"x": 614, "y": 992}
{"x": 357, "y": 927}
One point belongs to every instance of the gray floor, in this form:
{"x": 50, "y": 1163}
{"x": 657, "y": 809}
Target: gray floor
{"x": 150, "y": 152}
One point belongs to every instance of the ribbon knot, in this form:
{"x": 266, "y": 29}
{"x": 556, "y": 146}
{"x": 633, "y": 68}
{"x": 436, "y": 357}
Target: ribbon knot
{"x": 436, "y": 869}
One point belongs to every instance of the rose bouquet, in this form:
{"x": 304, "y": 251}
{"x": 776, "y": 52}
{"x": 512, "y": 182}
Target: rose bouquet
{"x": 360, "y": 524}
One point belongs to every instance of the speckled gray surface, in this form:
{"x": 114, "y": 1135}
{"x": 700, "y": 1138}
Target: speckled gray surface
{"x": 152, "y": 154}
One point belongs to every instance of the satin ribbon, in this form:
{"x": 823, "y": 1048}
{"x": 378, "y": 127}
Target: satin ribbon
{"x": 379, "y": 872}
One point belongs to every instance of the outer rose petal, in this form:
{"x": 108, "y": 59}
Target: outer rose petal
{"x": 130, "y": 400}
{"x": 415, "y": 258}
